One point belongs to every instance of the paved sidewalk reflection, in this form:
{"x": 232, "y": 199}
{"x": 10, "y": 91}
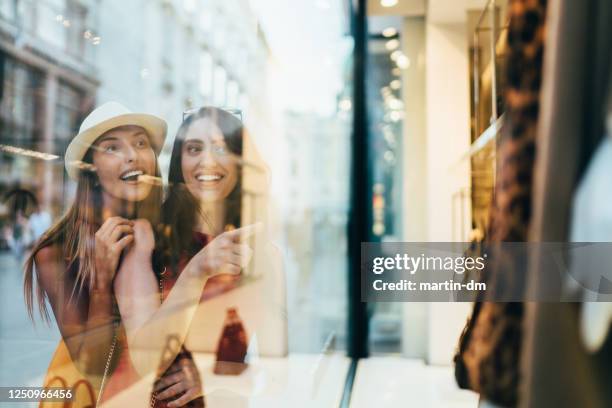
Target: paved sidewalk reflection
{"x": 25, "y": 350}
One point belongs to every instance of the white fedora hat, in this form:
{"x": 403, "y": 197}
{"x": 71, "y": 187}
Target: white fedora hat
{"x": 101, "y": 120}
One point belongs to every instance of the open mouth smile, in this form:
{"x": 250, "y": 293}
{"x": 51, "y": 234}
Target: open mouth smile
{"x": 209, "y": 178}
{"x": 131, "y": 175}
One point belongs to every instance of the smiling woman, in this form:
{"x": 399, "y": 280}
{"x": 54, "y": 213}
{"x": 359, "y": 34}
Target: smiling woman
{"x": 204, "y": 178}
{"x": 75, "y": 261}
{"x": 124, "y": 154}
{"x": 208, "y": 166}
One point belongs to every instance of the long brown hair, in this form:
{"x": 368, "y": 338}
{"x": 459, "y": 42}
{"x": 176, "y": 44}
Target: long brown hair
{"x": 74, "y": 232}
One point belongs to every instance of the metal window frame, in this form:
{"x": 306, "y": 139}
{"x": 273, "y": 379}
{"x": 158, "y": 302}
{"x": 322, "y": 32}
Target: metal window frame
{"x": 360, "y": 211}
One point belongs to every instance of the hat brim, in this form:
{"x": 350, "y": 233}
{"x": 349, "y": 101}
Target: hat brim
{"x": 78, "y": 147}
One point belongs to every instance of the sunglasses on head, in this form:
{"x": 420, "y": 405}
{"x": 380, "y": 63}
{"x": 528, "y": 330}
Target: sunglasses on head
{"x": 237, "y": 113}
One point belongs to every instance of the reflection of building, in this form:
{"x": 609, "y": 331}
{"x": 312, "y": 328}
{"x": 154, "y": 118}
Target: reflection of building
{"x": 316, "y": 221}
{"x": 46, "y": 77}
{"x": 187, "y": 54}
{"x": 59, "y": 58}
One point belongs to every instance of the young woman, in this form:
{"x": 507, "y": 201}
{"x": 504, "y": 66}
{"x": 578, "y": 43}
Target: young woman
{"x": 204, "y": 195}
{"x": 76, "y": 259}
{"x": 73, "y": 265}
{"x": 203, "y": 202}
{"x": 217, "y": 198}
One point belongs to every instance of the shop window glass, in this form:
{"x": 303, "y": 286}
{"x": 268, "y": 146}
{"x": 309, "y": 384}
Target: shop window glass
{"x": 255, "y": 57}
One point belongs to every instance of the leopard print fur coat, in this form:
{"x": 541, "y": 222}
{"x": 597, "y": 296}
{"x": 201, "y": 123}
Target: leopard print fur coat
{"x": 488, "y": 355}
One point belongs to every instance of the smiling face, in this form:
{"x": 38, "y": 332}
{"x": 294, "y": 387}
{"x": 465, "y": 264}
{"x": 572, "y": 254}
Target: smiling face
{"x": 209, "y": 168}
{"x": 122, "y": 156}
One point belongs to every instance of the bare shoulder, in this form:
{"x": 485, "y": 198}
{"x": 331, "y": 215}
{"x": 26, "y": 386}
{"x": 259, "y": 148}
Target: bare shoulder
{"x": 48, "y": 254}
{"x": 49, "y": 265}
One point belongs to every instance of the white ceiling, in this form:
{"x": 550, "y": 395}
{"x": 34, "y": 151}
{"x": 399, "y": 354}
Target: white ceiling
{"x": 405, "y": 8}
{"x": 452, "y": 11}
{"x": 437, "y": 11}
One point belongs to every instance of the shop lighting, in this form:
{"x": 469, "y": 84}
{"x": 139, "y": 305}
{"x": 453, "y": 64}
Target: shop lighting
{"x": 389, "y": 32}
{"x": 25, "y": 152}
{"x": 392, "y": 44}
{"x": 389, "y": 156}
{"x": 395, "y": 55}
{"x": 378, "y": 229}
{"x": 390, "y": 138}
{"x": 388, "y": 3}
{"x": 395, "y": 84}
{"x": 402, "y": 62}
{"x": 395, "y": 104}
{"x": 345, "y": 105}
{"x": 395, "y": 116}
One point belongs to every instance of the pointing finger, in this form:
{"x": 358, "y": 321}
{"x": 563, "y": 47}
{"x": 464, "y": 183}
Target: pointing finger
{"x": 244, "y": 233}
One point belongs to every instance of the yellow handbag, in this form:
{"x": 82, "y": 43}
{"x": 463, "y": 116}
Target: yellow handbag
{"x": 62, "y": 372}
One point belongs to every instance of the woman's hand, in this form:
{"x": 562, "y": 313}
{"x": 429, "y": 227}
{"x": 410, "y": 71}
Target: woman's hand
{"x": 110, "y": 240}
{"x": 144, "y": 239}
{"x": 181, "y": 378}
{"x": 226, "y": 253}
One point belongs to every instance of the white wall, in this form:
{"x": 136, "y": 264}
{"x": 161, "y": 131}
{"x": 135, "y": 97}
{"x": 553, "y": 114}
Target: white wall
{"x": 436, "y": 136}
{"x": 448, "y": 138}
{"x": 448, "y": 118}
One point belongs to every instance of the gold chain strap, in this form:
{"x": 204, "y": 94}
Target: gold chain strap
{"x": 114, "y": 344}
{"x": 108, "y": 362}
{"x": 161, "y": 300}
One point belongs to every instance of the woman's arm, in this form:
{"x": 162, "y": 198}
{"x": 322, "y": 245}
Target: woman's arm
{"x": 87, "y": 340}
{"x": 152, "y": 326}
{"x": 85, "y": 319}
{"x": 136, "y": 286}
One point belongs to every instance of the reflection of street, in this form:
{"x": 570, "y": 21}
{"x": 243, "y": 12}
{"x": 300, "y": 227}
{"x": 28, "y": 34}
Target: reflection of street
{"x": 25, "y": 350}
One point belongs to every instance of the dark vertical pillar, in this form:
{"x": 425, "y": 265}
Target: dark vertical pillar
{"x": 359, "y": 225}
